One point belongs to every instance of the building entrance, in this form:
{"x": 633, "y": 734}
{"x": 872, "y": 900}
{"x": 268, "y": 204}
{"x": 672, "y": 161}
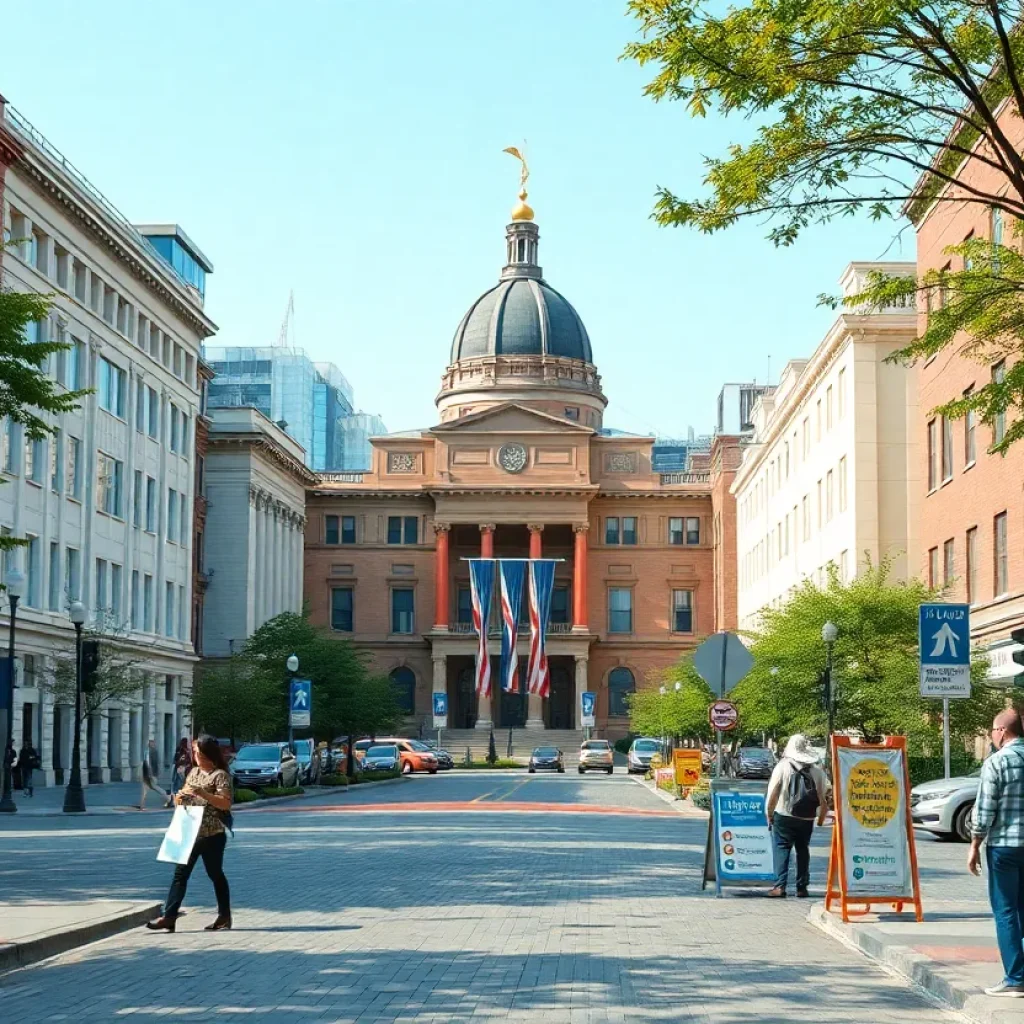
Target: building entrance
{"x": 464, "y": 706}
{"x": 513, "y": 706}
{"x": 560, "y": 710}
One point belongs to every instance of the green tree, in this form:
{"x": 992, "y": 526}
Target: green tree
{"x": 682, "y": 713}
{"x": 864, "y": 106}
{"x": 227, "y": 700}
{"x": 875, "y": 665}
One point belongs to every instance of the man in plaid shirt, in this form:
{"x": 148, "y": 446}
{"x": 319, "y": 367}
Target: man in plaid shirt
{"x": 999, "y": 823}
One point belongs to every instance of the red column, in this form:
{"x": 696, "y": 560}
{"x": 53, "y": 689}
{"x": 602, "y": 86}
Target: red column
{"x": 441, "y": 576}
{"x": 487, "y": 540}
{"x": 579, "y": 580}
{"x": 535, "y": 541}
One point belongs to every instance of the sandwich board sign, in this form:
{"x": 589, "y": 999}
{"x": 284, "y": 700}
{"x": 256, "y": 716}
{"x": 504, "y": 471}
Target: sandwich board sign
{"x": 738, "y": 852}
{"x": 874, "y": 859}
{"x": 687, "y": 764}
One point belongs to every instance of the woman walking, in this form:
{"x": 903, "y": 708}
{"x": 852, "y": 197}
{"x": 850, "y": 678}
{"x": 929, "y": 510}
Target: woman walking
{"x": 207, "y": 785}
{"x": 182, "y": 766}
{"x": 150, "y": 773}
{"x": 28, "y": 762}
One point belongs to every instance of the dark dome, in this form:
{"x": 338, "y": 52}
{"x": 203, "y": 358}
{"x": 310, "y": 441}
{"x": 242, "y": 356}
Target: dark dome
{"x": 521, "y": 317}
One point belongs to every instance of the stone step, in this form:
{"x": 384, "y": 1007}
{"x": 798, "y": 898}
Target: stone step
{"x": 524, "y": 741}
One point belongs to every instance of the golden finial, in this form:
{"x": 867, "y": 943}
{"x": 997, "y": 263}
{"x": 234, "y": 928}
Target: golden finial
{"x": 522, "y": 210}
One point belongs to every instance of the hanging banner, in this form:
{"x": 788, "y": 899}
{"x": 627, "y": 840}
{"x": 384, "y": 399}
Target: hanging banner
{"x": 481, "y": 587}
{"x": 874, "y": 859}
{"x": 512, "y": 574}
{"x": 541, "y": 583}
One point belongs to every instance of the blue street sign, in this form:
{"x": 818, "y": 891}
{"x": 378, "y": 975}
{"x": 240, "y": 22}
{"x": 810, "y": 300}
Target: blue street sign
{"x": 944, "y": 639}
{"x": 440, "y": 705}
{"x": 587, "y": 701}
{"x": 301, "y": 703}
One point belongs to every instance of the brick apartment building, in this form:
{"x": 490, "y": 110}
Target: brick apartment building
{"x": 972, "y": 507}
{"x": 519, "y": 466}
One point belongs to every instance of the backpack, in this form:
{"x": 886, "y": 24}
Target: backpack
{"x": 802, "y": 793}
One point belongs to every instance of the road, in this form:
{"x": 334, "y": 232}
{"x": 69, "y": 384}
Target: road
{"x": 450, "y": 898}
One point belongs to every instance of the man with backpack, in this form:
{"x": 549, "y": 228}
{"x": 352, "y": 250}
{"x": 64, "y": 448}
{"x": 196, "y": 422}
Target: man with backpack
{"x": 797, "y": 794}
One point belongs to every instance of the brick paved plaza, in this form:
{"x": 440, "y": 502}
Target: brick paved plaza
{"x": 343, "y": 913}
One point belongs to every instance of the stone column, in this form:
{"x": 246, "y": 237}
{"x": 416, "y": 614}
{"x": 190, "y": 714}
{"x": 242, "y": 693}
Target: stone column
{"x": 579, "y": 585}
{"x": 487, "y": 540}
{"x": 441, "y": 579}
{"x": 485, "y": 710}
{"x": 581, "y": 686}
{"x": 440, "y": 682}
{"x": 535, "y": 540}
{"x": 46, "y": 736}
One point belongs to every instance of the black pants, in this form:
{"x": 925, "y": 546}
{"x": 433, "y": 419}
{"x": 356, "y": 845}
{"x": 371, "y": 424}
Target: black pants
{"x": 211, "y": 849}
{"x": 792, "y": 833}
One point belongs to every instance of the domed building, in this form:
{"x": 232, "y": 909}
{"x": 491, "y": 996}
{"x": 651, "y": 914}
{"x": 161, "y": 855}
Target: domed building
{"x": 519, "y": 465}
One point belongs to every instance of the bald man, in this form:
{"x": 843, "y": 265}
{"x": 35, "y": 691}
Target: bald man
{"x": 999, "y": 823}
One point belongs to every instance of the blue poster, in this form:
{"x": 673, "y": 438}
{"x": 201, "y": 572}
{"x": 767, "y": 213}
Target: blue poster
{"x": 440, "y": 705}
{"x": 743, "y": 843}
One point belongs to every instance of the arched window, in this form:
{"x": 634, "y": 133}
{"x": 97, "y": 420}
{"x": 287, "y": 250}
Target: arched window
{"x": 403, "y": 681}
{"x": 620, "y": 684}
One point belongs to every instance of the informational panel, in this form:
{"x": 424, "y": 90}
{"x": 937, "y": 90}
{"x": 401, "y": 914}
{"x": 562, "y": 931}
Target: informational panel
{"x": 739, "y": 849}
{"x": 440, "y": 704}
{"x": 301, "y": 703}
{"x": 687, "y": 764}
{"x": 944, "y": 640}
{"x": 588, "y": 702}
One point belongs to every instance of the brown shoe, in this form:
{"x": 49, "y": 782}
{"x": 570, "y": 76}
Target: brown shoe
{"x": 222, "y": 924}
{"x": 777, "y": 893}
{"x": 161, "y": 924}
{"x": 802, "y": 894}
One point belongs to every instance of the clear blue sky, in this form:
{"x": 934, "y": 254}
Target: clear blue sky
{"x": 351, "y": 151}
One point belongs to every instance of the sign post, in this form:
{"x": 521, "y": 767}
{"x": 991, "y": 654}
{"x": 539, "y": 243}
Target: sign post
{"x": 722, "y": 661}
{"x": 944, "y": 643}
{"x": 300, "y": 704}
{"x": 739, "y": 850}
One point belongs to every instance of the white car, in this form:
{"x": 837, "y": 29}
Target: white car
{"x": 944, "y": 806}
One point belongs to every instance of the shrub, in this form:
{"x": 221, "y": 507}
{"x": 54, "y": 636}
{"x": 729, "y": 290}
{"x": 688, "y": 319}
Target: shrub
{"x": 271, "y": 791}
{"x": 924, "y": 769}
{"x": 501, "y": 762}
{"x": 355, "y": 780}
{"x": 333, "y": 780}
{"x": 245, "y": 796}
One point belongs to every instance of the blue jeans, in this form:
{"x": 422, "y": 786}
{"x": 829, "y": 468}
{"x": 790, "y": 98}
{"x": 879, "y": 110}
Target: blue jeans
{"x": 789, "y": 833}
{"x": 1006, "y": 894}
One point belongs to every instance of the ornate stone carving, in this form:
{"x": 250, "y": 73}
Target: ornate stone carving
{"x": 580, "y": 527}
{"x": 488, "y": 526}
{"x": 442, "y": 527}
{"x": 401, "y": 462}
{"x": 512, "y": 457}
{"x": 535, "y": 527}
{"x": 620, "y": 462}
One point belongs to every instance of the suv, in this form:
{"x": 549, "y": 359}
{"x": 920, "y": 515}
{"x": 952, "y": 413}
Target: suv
{"x": 642, "y": 749}
{"x": 416, "y": 756}
{"x": 264, "y": 764}
{"x": 596, "y": 755}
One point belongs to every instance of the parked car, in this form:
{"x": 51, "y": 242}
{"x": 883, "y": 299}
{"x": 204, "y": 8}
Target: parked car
{"x": 642, "y": 749}
{"x": 227, "y": 748}
{"x": 445, "y": 761}
{"x": 308, "y": 758}
{"x": 546, "y": 759}
{"x": 596, "y": 755}
{"x": 264, "y": 764}
{"x": 944, "y": 806}
{"x": 754, "y": 763}
{"x": 383, "y": 757}
{"x": 415, "y": 754}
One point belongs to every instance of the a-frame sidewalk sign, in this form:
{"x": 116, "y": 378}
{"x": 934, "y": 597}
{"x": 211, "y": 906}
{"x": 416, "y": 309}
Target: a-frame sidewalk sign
{"x": 873, "y": 859}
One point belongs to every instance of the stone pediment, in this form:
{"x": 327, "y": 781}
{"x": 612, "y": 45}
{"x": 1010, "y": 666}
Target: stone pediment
{"x": 509, "y": 418}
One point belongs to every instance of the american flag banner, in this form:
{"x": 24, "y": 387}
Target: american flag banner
{"x": 542, "y": 581}
{"x": 481, "y": 586}
{"x": 512, "y": 572}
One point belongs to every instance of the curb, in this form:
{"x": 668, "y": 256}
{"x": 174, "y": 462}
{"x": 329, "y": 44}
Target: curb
{"x": 681, "y": 807}
{"x": 921, "y": 971}
{"x": 15, "y": 955}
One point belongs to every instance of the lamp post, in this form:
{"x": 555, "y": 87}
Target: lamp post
{"x": 292, "y": 665}
{"x": 74, "y": 795}
{"x": 829, "y": 633}
{"x": 14, "y": 581}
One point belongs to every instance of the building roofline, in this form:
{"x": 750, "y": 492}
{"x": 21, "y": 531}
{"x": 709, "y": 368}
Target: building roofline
{"x": 176, "y": 231}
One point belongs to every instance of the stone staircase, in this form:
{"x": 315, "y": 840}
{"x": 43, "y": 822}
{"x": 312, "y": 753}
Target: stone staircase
{"x": 455, "y": 741}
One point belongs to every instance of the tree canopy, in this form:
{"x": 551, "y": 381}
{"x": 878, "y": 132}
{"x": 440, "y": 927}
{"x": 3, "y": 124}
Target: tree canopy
{"x": 682, "y": 712}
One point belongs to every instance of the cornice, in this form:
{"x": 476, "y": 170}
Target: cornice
{"x": 267, "y": 447}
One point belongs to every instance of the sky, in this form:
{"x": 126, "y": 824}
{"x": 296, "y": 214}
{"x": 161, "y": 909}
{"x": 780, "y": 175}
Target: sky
{"x": 350, "y": 151}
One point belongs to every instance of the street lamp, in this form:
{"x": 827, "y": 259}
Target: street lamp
{"x": 829, "y": 634}
{"x": 292, "y": 664}
{"x": 14, "y": 581}
{"x": 74, "y": 795}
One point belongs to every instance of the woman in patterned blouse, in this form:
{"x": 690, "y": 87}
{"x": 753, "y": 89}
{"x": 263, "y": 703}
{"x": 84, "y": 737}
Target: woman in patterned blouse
{"x": 207, "y": 785}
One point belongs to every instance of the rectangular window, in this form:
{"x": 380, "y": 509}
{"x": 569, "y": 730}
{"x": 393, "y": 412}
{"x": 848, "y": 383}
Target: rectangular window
{"x": 7, "y": 441}
{"x": 464, "y": 606}
{"x": 75, "y": 365}
{"x": 629, "y": 529}
{"x": 970, "y": 430}
{"x": 402, "y": 612}
{"x": 842, "y": 484}
{"x": 933, "y": 567}
{"x": 74, "y": 478}
{"x": 1002, "y": 568}
{"x": 72, "y": 574}
{"x": 116, "y": 574}
{"x": 183, "y": 521}
{"x": 411, "y": 530}
{"x": 972, "y": 565}
{"x": 348, "y": 529}
{"x": 844, "y": 565}
{"x": 53, "y": 583}
{"x": 152, "y": 414}
{"x": 56, "y": 460}
{"x": 820, "y": 509}
{"x": 150, "y": 505}
{"x": 331, "y": 531}
{"x": 181, "y": 613}
{"x": 841, "y": 393}
{"x": 175, "y": 429}
{"x": 394, "y": 529}
{"x": 148, "y": 622}
{"x": 33, "y": 572}
{"x": 828, "y": 407}
{"x": 109, "y": 475}
{"x": 135, "y": 611}
{"x": 933, "y": 454}
{"x": 110, "y": 387}
{"x": 137, "y": 499}
{"x": 620, "y": 610}
{"x": 559, "y": 605}
{"x": 172, "y": 515}
{"x": 817, "y": 421}
{"x": 341, "y": 609}
{"x": 612, "y": 532}
{"x": 947, "y": 449}
{"x": 692, "y": 530}
{"x": 805, "y": 515}
{"x": 170, "y": 619}
{"x": 140, "y": 408}
{"x": 682, "y": 611}
{"x": 948, "y": 563}
{"x": 675, "y": 530}
{"x": 828, "y": 496}
{"x": 805, "y": 436}
{"x": 999, "y": 422}
{"x": 101, "y": 586}
{"x": 34, "y": 460}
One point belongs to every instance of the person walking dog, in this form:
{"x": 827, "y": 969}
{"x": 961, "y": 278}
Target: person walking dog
{"x": 207, "y": 785}
{"x": 797, "y": 794}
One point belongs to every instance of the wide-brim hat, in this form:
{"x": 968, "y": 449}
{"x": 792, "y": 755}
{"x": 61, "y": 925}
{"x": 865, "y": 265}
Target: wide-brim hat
{"x": 799, "y": 750}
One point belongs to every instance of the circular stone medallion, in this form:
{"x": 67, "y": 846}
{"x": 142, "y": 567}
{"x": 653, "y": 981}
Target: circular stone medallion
{"x": 512, "y": 458}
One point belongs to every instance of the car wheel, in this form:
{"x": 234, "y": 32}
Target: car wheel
{"x": 610, "y": 770}
{"x": 561, "y": 771}
{"x": 962, "y": 822}
{"x": 432, "y": 771}
{"x": 407, "y": 768}
{"x": 531, "y": 770}
{"x": 581, "y": 771}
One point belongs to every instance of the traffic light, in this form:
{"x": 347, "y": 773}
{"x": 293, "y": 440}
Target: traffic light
{"x": 1017, "y": 636}
{"x": 90, "y": 665}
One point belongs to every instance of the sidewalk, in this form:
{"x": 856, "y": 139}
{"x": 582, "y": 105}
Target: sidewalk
{"x": 32, "y": 931}
{"x": 108, "y": 798}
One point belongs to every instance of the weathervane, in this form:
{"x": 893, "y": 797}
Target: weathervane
{"x": 522, "y": 210}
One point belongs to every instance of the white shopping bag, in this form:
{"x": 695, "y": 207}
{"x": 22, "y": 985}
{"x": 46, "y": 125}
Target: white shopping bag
{"x": 181, "y": 834}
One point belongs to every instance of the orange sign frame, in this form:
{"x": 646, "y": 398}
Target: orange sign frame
{"x": 837, "y": 889}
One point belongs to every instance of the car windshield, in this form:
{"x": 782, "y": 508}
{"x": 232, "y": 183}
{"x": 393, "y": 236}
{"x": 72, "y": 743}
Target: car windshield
{"x": 418, "y": 745}
{"x": 595, "y": 745}
{"x": 645, "y": 746}
{"x": 364, "y": 744}
{"x": 261, "y": 752}
{"x": 756, "y": 754}
{"x": 382, "y": 752}
{"x": 546, "y": 752}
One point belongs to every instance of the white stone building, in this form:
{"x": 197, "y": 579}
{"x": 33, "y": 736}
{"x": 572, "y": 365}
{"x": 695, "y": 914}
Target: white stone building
{"x": 256, "y": 483}
{"x": 830, "y": 474}
{"x": 106, "y": 502}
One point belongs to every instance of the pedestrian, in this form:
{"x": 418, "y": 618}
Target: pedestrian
{"x": 28, "y": 762}
{"x": 10, "y": 760}
{"x": 797, "y": 794}
{"x": 208, "y": 785}
{"x": 998, "y": 821}
{"x": 150, "y": 774}
{"x": 182, "y": 766}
